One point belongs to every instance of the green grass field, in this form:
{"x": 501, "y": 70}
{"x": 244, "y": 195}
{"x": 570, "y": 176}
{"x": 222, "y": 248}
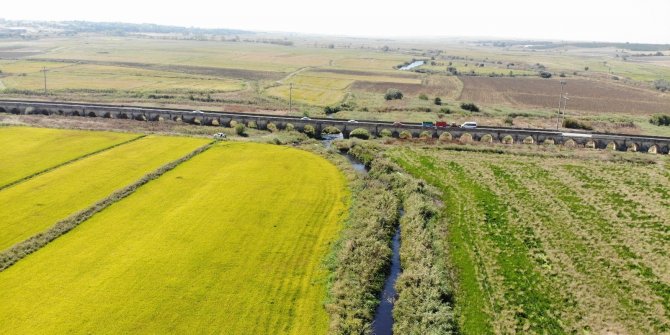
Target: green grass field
{"x": 232, "y": 240}
{"x": 553, "y": 245}
{"x": 32, "y": 206}
{"x": 27, "y": 151}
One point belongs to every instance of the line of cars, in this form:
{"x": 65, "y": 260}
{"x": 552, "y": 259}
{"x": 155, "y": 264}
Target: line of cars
{"x": 443, "y": 124}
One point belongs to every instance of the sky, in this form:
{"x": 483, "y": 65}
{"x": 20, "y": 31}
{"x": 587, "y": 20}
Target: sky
{"x": 641, "y": 21}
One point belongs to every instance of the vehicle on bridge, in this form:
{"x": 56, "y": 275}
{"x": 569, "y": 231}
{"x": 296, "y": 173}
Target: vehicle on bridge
{"x": 427, "y": 124}
{"x": 441, "y": 124}
{"x": 397, "y": 124}
{"x": 469, "y": 125}
{"x": 352, "y": 121}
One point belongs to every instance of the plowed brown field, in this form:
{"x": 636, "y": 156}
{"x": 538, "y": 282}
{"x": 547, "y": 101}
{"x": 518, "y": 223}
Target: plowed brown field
{"x": 585, "y": 95}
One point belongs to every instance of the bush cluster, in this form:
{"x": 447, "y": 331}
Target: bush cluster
{"x": 361, "y": 133}
{"x": 240, "y": 129}
{"x": 309, "y": 130}
{"x": 660, "y": 120}
{"x": 393, "y": 94}
{"x": 576, "y": 124}
{"x": 469, "y": 106}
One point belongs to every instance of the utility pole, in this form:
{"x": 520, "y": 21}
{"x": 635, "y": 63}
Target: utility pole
{"x": 560, "y": 100}
{"x": 290, "y": 98}
{"x": 44, "y": 69}
{"x": 565, "y": 105}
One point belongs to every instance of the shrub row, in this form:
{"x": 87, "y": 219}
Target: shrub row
{"x": 660, "y": 120}
{"x": 576, "y": 124}
{"x": 362, "y": 257}
{"x": 425, "y": 303}
{"x": 425, "y": 300}
{"x": 34, "y": 243}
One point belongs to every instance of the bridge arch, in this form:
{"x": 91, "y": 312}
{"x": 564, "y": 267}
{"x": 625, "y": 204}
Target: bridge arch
{"x": 465, "y": 138}
{"x": 91, "y": 114}
{"x": 486, "y": 138}
{"x": 507, "y": 139}
{"x": 632, "y": 147}
{"x": 528, "y": 140}
{"x": 549, "y": 141}
{"x": 15, "y": 111}
{"x": 385, "y": 133}
{"x": 331, "y": 130}
{"x": 611, "y": 146}
{"x": 446, "y": 137}
{"x": 570, "y": 143}
{"x": 590, "y": 144}
{"x": 3, "y": 110}
{"x": 653, "y": 149}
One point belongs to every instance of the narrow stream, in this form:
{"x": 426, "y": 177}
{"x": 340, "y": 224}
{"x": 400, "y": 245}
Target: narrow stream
{"x": 383, "y": 323}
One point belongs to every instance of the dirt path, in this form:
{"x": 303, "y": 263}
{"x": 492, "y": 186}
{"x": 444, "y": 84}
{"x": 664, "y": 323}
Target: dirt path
{"x": 290, "y": 75}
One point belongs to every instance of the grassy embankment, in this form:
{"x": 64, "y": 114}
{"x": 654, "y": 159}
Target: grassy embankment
{"x": 227, "y": 240}
{"x": 552, "y": 244}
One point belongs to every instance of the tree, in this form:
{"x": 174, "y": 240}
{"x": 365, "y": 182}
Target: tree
{"x": 438, "y": 101}
{"x": 239, "y": 129}
{"x": 586, "y": 68}
{"x": 393, "y": 94}
{"x": 470, "y": 107}
{"x": 545, "y": 74}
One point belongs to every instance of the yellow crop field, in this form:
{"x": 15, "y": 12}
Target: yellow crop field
{"x": 307, "y": 95}
{"x": 31, "y": 207}
{"x": 27, "y": 151}
{"x": 232, "y": 241}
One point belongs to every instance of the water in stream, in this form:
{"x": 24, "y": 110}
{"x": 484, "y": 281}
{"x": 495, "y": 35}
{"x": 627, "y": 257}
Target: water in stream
{"x": 412, "y": 65}
{"x": 383, "y": 323}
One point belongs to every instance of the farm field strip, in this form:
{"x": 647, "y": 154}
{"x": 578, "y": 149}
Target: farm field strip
{"x": 28, "y": 151}
{"x": 90, "y": 76}
{"x": 593, "y": 237}
{"x": 217, "y": 243}
{"x": 33, "y": 206}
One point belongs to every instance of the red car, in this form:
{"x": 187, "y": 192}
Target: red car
{"x": 441, "y": 124}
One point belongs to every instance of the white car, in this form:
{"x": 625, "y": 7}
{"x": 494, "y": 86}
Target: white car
{"x": 469, "y": 125}
{"x": 305, "y": 118}
{"x": 352, "y": 121}
{"x": 197, "y": 112}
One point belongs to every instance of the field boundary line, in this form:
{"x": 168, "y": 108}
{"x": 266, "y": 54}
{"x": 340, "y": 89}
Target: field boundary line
{"x": 20, "y": 250}
{"x": 49, "y": 169}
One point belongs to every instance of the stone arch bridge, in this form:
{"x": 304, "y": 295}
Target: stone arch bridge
{"x": 619, "y": 142}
